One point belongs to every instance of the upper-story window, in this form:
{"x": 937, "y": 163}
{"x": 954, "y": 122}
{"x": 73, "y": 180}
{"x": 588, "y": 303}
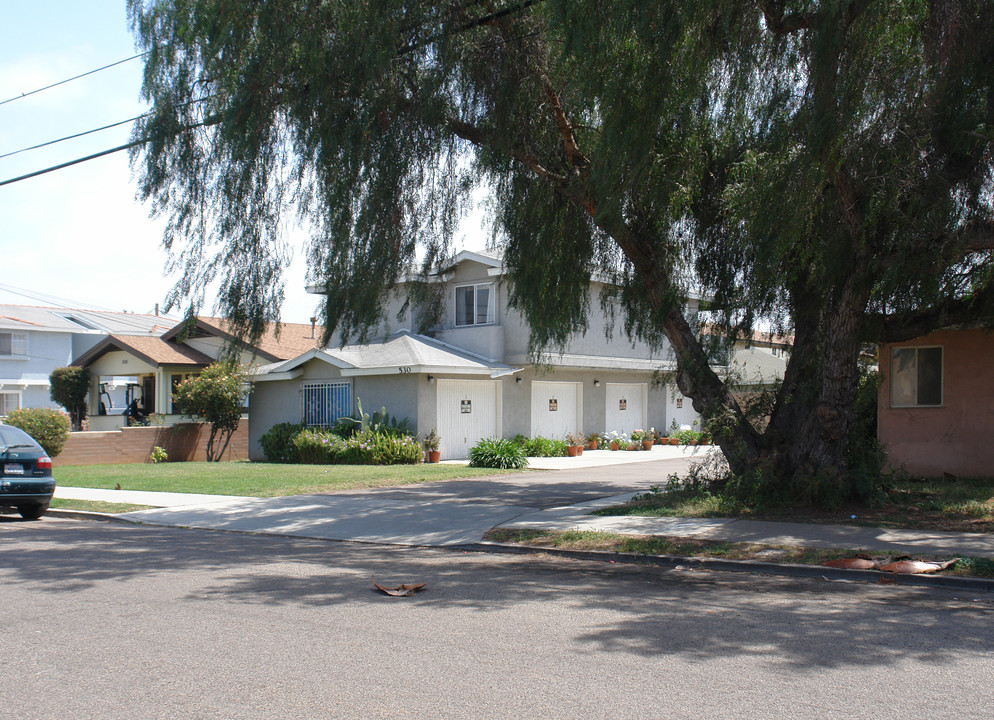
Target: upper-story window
{"x": 13, "y": 343}
{"x": 916, "y": 377}
{"x": 475, "y": 305}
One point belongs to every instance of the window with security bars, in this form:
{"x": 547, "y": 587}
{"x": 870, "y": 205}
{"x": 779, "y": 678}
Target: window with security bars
{"x": 323, "y": 403}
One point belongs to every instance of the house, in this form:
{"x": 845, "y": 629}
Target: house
{"x": 935, "y": 406}
{"x": 35, "y": 340}
{"x": 156, "y": 364}
{"x": 471, "y": 376}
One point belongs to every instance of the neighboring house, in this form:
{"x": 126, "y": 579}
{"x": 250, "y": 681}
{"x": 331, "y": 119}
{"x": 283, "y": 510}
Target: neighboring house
{"x": 473, "y": 377}
{"x": 936, "y": 403}
{"x": 36, "y": 340}
{"x": 155, "y": 365}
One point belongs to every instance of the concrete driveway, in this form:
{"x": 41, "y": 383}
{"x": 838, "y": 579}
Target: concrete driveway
{"x": 443, "y": 513}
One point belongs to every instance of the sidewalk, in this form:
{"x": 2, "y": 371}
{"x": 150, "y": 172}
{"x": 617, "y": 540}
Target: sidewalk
{"x": 381, "y": 518}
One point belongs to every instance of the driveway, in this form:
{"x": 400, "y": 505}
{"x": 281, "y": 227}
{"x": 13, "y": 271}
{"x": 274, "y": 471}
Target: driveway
{"x": 443, "y": 513}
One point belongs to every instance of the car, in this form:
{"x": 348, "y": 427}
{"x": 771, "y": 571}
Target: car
{"x": 26, "y": 481}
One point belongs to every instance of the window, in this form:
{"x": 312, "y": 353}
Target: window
{"x": 916, "y": 377}
{"x": 322, "y": 403}
{"x": 475, "y": 305}
{"x": 9, "y": 401}
{"x": 13, "y": 343}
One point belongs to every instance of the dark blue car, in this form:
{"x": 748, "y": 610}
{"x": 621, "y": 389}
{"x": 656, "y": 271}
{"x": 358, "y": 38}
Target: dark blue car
{"x": 25, "y": 474}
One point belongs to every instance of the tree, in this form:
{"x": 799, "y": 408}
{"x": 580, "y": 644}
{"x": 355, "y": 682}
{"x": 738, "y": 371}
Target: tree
{"x": 69, "y": 387}
{"x": 823, "y": 164}
{"x": 216, "y": 396}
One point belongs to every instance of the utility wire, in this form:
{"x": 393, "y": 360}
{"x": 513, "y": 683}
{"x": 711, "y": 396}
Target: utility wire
{"x": 77, "y": 77}
{"x": 71, "y": 137}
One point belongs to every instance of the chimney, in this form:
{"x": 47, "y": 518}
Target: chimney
{"x": 314, "y": 322}
{"x": 157, "y": 309}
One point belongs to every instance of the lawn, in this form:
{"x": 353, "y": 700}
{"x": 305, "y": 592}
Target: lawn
{"x": 956, "y": 505}
{"x": 693, "y": 547}
{"x": 257, "y": 479}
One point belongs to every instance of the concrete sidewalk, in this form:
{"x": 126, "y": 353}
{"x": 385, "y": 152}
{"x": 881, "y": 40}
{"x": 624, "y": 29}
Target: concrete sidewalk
{"x": 419, "y": 516}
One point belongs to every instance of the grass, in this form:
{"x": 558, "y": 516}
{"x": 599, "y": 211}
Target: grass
{"x": 257, "y": 479}
{"x": 956, "y": 505}
{"x": 97, "y": 506}
{"x": 693, "y": 547}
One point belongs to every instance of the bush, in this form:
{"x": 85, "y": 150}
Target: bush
{"x": 499, "y": 453}
{"x": 540, "y": 446}
{"x": 69, "y": 387}
{"x": 323, "y": 447}
{"x": 317, "y": 447}
{"x": 278, "y": 442}
{"x": 49, "y": 428}
{"x": 215, "y": 396}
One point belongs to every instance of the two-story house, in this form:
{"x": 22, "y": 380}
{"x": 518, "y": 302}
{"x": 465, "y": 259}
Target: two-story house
{"x": 473, "y": 377}
{"x": 36, "y": 340}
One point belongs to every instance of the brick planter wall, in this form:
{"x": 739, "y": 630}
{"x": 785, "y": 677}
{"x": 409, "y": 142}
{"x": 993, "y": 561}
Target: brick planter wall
{"x": 183, "y": 443}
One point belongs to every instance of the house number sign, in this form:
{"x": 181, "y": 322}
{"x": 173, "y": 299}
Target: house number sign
{"x": 465, "y": 406}
{"x": 553, "y": 405}
{"x": 623, "y": 404}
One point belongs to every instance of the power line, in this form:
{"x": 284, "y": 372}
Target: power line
{"x": 71, "y": 137}
{"x": 77, "y": 77}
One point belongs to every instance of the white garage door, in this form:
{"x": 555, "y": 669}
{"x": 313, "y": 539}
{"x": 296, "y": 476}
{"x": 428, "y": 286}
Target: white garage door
{"x": 557, "y": 409}
{"x": 468, "y": 411}
{"x": 625, "y": 406}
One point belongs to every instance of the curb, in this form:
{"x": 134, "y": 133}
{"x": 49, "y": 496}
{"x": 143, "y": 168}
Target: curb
{"x": 949, "y": 582}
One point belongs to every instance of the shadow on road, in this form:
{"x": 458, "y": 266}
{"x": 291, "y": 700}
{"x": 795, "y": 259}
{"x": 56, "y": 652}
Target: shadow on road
{"x": 654, "y": 612}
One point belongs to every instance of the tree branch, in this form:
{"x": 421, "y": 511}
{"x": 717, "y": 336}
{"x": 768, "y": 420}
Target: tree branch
{"x": 778, "y": 23}
{"x": 975, "y": 310}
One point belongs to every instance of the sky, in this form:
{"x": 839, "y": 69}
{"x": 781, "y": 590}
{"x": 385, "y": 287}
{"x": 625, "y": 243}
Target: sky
{"x": 79, "y": 237}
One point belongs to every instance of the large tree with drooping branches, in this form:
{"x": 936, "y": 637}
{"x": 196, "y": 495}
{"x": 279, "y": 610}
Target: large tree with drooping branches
{"x": 824, "y": 165}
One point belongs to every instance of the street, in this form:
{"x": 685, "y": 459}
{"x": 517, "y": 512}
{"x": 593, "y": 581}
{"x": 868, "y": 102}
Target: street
{"x": 101, "y": 620}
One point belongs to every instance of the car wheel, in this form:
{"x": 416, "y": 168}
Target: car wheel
{"x": 32, "y": 512}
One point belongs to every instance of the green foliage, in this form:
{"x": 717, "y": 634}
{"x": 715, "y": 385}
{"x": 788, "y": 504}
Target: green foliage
{"x": 379, "y": 422}
{"x": 215, "y": 396}
{"x": 278, "y": 442}
{"x": 541, "y": 447}
{"x": 432, "y": 441}
{"x": 323, "y": 447}
{"x": 70, "y": 387}
{"x": 498, "y": 453}
{"x": 49, "y": 428}
{"x": 158, "y": 455}
{"x": 822, "y": 165}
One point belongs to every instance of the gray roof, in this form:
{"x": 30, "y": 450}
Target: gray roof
{"x": 757, "y": 366}
{"x": 73, "y": 320}
{"x": 414, "y": 353}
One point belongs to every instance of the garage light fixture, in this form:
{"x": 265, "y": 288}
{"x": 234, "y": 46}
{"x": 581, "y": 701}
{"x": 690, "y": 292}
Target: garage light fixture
{"x": 597, "y": 383}
{"x": 431, "y": 378}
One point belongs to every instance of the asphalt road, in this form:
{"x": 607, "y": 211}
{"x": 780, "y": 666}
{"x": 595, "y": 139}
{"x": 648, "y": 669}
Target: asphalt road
{"x": 109, "y": 621}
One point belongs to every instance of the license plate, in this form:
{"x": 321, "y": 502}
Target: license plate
{"x": 13, "y": 469}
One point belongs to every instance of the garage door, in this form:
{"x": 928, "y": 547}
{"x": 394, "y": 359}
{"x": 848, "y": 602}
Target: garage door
{"x": 468, "y": 411}
{"x": 557, "y": 409}
{"x": 625, "y": 406}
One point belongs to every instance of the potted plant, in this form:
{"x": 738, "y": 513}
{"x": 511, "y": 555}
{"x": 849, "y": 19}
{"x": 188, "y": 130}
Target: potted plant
{"x": 431, "y": 443}
{"x": 574, "y": 444}
{"x": 593, "y": 441}
{"x": 648, "y": 439}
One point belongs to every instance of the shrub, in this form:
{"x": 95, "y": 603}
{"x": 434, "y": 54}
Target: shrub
{"x": 215, "y": 396}
{"x": 318, "y": 447}
{"x": 278, "y": 442}
{"x": 48, "y": 427}
{"x": 323, "y": 447}
{"x": 158, "y": 455}
{"x": 540, "y": 447}
{"x": 499, "y": 453}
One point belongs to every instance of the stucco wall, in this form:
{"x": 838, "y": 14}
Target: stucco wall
{"x": 955, "y": 437}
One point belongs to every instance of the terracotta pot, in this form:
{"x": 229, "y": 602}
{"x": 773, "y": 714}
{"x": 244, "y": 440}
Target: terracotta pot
{"x": 571, "y": 450}
{"x": 647, "y": 444}
{"x": 434, "y": 456}
{"x": 614, "y": 445}
{"x": 579, "y": 449}
{"x": 674, "y": 441}
{"x": 633, "y": 447}
{"x": 662, "y": 441}
{"x": 592, "y": 445}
